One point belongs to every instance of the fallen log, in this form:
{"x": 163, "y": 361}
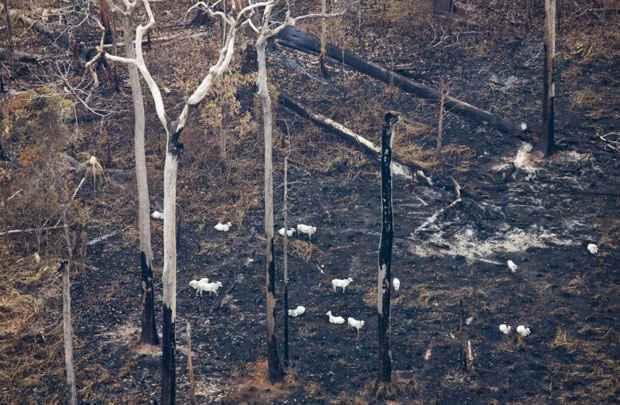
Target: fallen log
{"x": 293, "y": 38}
{"x": 19, "y": 56}
{"x": 370, "y": 148}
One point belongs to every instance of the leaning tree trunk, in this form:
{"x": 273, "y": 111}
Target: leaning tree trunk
{"x": 384, "y": 274}
{"x": 149, "y": 328}
{"x": 169, "y": 279}
{"x": 275, "y": 369}
{"x": 548, "y": 77}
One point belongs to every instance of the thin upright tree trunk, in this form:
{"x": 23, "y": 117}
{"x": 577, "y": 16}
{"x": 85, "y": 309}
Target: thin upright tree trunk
{"x": 384, "y": 273}
{"x": 276, "y": 373}
{"x": 65, "y": 269}
{"x": 323, "y": 52}
{"x": 223, "y": 152}
{"x": 9, "y": 34}
{"x": 190, "y": 366}
{"x": 148, "y": 334}
{"x": 549, "y": 78}
{"x": 285, "y": 253}
{"x": 169, "y": 278}
{"x": 67, "y": 327}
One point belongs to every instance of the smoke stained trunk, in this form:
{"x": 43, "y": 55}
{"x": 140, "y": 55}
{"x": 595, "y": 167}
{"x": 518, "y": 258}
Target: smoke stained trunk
{"x": 384, "y": 273}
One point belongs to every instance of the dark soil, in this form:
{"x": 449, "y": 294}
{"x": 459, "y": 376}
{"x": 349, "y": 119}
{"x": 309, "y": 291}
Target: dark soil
{"x": 455, "y": 285}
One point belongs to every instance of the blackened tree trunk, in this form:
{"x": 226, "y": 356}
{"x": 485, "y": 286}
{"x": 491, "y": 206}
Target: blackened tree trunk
{"x": 149, "y": 327}
{"x": 549, "y": 80}
{"x": 276, "y": 373}
{"x": 384, "y": 274}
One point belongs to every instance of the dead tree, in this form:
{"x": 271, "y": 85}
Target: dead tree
{"x": 264, "y": 32}
{"x": 384, "y": 273}
{"x": 548, "y": 77}
{"x": 174, "y": 148}
{"x": 276, "y": 373}
{"x": 68, "y": 330}
{"x": 148, "y": 334}
{"x": 67, "y": 327}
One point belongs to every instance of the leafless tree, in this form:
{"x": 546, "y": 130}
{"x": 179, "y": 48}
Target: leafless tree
{"x": 174, "y": 147}
{"x": 265, "y": 32}
{"x": 384, "y": 273}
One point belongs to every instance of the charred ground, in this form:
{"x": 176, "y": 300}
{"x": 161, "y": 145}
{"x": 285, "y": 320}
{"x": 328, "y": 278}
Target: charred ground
{"x": 540, "y": 214}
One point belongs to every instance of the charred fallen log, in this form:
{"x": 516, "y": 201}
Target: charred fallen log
{"x": 370, "y": 148}
{"x": 309, "y": 43}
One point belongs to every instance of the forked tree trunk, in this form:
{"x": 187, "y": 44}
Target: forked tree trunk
{"x": 148, "y": 334}
{"x": 548, "y": 77}
{"x": 276, "y": 373}
{"x": 169, "y": 278}
{"x": 384, "y": 273}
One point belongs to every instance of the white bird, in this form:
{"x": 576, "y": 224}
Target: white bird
{"x": 505, "y": 329}
{"x": 306, "y": 230}
{"x": 523, "y": 126}
{"x": 341, "y": 283}
{"x": 294, "y": 313}
{"x": 338, "y": 320}
{"x": 223, "y": 227}
{"x": 354, "y": 323}
{"x": 157, "y": 215}
{"x": 37, "y": 258}
{"x": 396, "y": 284}
{"x": 592, "y": 248}
{"x": 289, "y": 232}
{"x": 523, "y": 331}
{"x": 512, "y": 266}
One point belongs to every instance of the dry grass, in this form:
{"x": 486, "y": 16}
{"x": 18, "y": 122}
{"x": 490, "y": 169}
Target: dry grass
{"x": 251, "y": 385}
{"x": 31, "y": 334}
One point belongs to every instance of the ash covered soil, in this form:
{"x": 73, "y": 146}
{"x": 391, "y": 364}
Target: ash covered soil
{"x": 450, "y": 247}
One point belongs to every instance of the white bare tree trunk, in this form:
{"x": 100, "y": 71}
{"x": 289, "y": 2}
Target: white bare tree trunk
{"x": 275, "y": 369}
{"x": 149, "y": 331}
{"x": 68, "y": 331}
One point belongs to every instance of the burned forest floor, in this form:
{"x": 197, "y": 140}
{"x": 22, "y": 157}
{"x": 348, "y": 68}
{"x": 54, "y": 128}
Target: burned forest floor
{"x": 486, "y": 198}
